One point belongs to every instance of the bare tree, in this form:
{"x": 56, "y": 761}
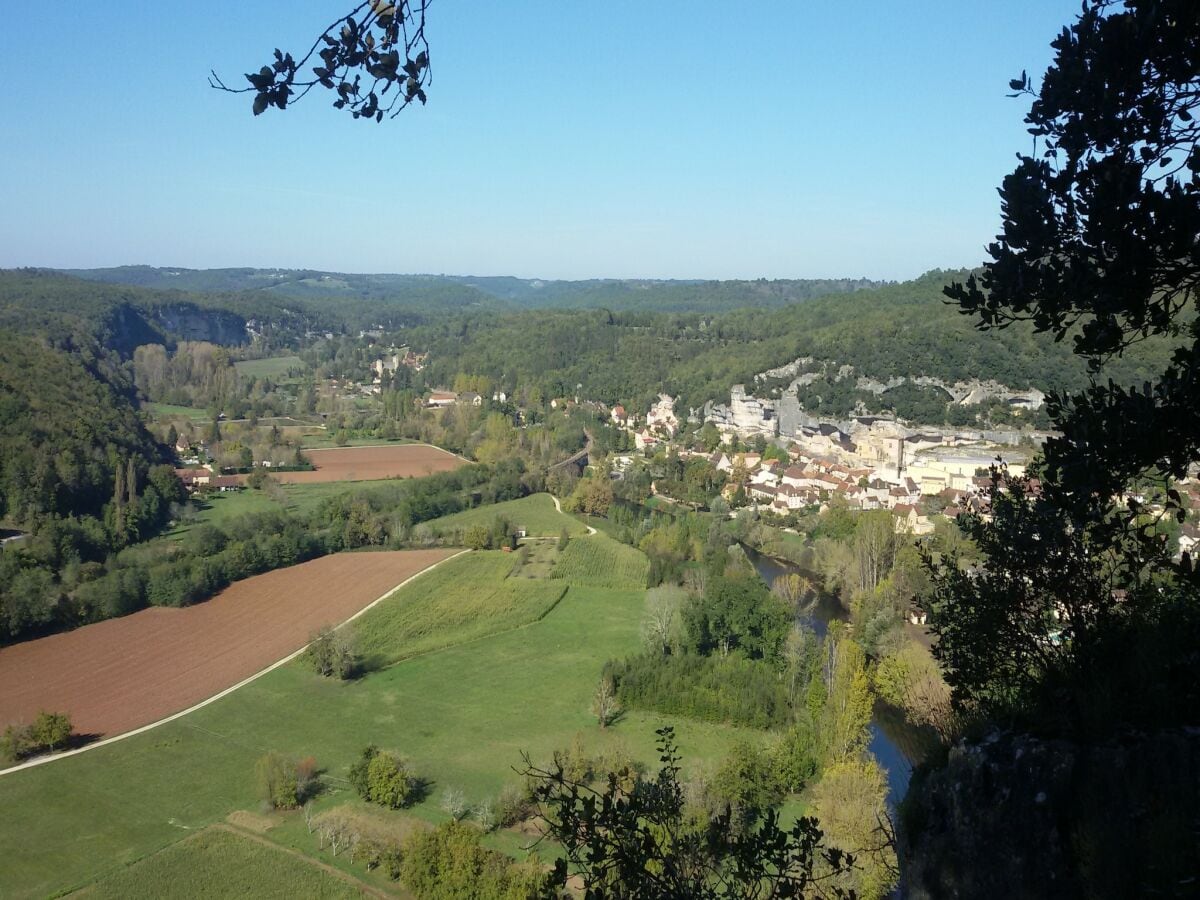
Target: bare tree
{"x": 662, "y": 615}
{"x": 308, "y": 816}
{"x": 454, "y": 804}
{"x": 605, "y": 705}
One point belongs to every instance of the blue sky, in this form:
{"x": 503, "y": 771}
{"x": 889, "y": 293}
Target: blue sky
{"x": 564, "y": 139}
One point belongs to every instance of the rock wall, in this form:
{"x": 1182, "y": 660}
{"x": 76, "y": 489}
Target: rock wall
{"x": 1016, "y": 816}
{"x": 194, "y": 323}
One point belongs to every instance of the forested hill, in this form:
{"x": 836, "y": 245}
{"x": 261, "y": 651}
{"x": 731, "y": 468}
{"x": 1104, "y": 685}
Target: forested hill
{"x": 119, "y": 317}
{"x": 67, "y": 423}
{"x": 905, "y": 329}
{"x": 458, "y": 292}
{"x": 124, "y": 316}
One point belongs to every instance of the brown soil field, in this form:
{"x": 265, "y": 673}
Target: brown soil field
{"x": 117, "y": 675}
{"x": 372, "y": 463}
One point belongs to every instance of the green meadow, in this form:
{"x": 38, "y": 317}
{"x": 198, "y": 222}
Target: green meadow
{"x": 535, "y": 513}
{"x": 219, "y": 863}
{"x": 600, "y": 561}
{"x": 504, "y": 683}
{"x": 453, "y": 604}
{"x": 275, "y": 367}
{"x": 218, "y": 508}
{"x": 167, "y": 411}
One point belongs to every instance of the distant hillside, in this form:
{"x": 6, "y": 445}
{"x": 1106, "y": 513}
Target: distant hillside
{"x": 119, "y": 317}
{"x": 444, "y": 293}
{"x": 903, "y": 329}
{"x": 125, "y": 314}
{"x": 67, "y": 421}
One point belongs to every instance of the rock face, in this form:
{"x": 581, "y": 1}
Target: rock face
{"x": 1017, "y": 816}
{"x": 193, "y": 323}
{"x": 746, "y": 414}
{"x": 127, "y": 326}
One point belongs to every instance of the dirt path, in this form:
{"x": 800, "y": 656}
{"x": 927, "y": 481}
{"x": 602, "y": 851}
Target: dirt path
{"x": 558, "y": 506}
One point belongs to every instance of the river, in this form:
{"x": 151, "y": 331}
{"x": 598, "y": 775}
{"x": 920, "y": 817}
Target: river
{"x": 894, "y": 742}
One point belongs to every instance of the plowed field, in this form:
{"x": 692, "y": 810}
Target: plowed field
{"x": 117, "y": 675}
{"x": 371, "y": 463}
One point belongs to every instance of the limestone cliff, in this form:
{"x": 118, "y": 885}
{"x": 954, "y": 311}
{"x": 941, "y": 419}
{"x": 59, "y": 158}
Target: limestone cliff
{"x": 1017, "y": 816}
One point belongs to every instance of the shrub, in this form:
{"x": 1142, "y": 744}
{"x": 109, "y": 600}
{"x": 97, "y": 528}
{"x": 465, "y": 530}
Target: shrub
{"x": 478, "y": 537}
{"x": 331, "y": 653}
{"x": 50, "y": 730}
{"x": 514, "y": 805}
{"x": 14, "y": 744}
{"x": 383, "y": 777}
{"x": 357, "y": 776}
{"x": 575, "y": 760}
{"x": 307, "y": 782}
{"x": 448, "y": 863}
{"x": 617, "y": 761}
{"x": 277, "y": 783}
{"x": 731, "y": 690}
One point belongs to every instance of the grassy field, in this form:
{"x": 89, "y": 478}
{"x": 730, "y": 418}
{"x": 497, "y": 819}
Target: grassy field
{"x": 535, "y": 513}
{"x": 463, "y": 715}
{"x": 274, "y": 367}
{"x": 459, "y": 602}
{"x": 219, "y": 509}
{"x": 167, "y": 411}
{"x": 599, "y": 561}
{"x": 322, "y": 439}
{"x": 536, "y": 559}
{"x": 220, "y": 863}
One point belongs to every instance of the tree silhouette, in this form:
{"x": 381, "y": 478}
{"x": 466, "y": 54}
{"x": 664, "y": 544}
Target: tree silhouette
{"x": 375, "y": 59}
{"x": 1080, "y": 598}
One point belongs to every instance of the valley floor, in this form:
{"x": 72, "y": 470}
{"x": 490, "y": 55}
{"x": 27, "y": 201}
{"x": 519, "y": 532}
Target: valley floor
{"x": 474, "y": 669}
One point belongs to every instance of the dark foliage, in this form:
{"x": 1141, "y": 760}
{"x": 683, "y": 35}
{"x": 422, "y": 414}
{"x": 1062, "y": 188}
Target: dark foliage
{"x": 639, "y": 842}
{"x": 731, "y": 690}
{"x": 381, "y": 40}
{"x": 1080, "y": 619}
{"x": 736, "y": 614}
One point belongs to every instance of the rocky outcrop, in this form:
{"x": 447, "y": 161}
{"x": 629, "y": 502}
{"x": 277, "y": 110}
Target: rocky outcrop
{"x": 128, "y": 326}
{"x": 194, "y": 323}
{"x": 1017, "y": 816}
{"x": 747, "y": 415}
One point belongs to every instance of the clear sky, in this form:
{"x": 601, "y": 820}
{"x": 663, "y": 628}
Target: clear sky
{"x": 562, "y": 139}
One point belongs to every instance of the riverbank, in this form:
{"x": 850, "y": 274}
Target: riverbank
{"x": 895, "y": 743}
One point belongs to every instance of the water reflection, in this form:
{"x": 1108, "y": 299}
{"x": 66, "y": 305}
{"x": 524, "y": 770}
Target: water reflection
{"x": 895, "y": 743}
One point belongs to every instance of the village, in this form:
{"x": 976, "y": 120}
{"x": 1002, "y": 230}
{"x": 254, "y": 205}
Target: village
{"x": 877, "y": 463}
{"x": 779, "y": 462}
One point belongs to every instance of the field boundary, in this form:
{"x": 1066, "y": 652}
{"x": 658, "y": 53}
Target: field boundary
{"x": 391, "y": 444}
{"x": 42, "y": 760}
